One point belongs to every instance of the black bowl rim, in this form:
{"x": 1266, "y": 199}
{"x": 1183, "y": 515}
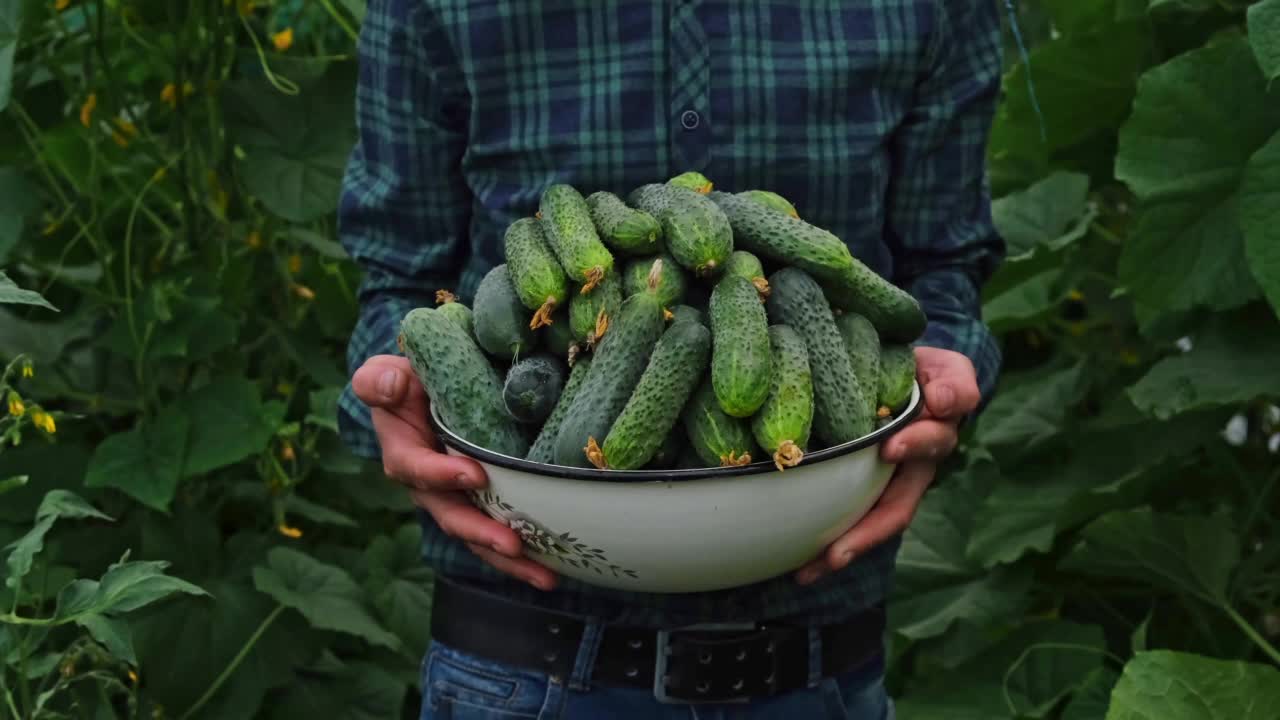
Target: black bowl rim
{"x": 667, "y": 476}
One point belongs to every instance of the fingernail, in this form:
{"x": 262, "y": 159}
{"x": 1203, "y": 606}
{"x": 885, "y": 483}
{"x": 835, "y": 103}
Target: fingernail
{"x": 540, "y": 584}
{"x": 466, "y": 481}
{"x": 846, "y": 556}
{"x": 387, "y": 383}
{"x": 945, "y": 398}
{"x": 497, "y": 547}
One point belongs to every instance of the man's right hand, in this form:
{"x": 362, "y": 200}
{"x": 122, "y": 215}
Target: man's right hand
{"x": 412, "y": 455}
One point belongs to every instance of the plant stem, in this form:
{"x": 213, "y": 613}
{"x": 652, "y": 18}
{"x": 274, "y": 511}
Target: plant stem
{"x": 341, "y": 19}
{"x": 1253, "y": 635}
{"x": 235, "y": 663}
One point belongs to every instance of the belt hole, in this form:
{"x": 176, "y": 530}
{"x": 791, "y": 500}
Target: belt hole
{"x": 703, "y": 687}
{"x": 742, "y": 655}
{"x": 737, "y": 684}
{"x": 635, "y": 644}
{"x": 768, "y": 649}
{"x": 632, "y": 672}
{"x": 768, "y": 679}
{"x": 704, "y": 658}
{"x": 554, "y": 629}
{"x": 550, "y": 656}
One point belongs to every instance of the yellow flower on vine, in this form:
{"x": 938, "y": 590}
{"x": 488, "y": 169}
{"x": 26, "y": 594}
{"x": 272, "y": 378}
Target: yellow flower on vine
{"x": 44, "y": 421}
{"x": 28, "y": 370}
{"x": 283, "y": 40}
{"x": 124, "y": 132}
{"x": 169, "y": 94}
{"x": 61, "y": 5}
{"x": 86, "y": 110}
{"x": 304, "y": 292}
{"x": 289, "y": 531}
{"x": 16, "y": 408}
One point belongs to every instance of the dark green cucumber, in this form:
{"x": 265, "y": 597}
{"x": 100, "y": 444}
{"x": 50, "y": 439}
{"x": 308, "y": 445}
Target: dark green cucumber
{"x": 671, "y": 449}
{"x": 897, "y": 376}
{"x": 773, "y": 201}
{"x": 839, "y": 413}
{"x": 894, "y": 312}
{"x": 744, "y": 264}
{"x": 566, "y": 221}
{"x": 689, "y": 458}
{"x": 741, "y": 363}
{"x": 696, "y": 232}
{"x": 863, "y": 344}
{"x": 689, "y": 313}
{"x": 458, "y": 378}
{"x": 449, "y": 306}
{"x": 677, "y": 364}
{"x": 671, "y": 283}
{"x": 783, "y": 423}
{"x": 718, "y": 439}
{"x": 623, "y": 228}
{"x": 532, "y": 387}
{"x": 536, "y": 273}
{"x": 500, "y": 320}
{"x": 558, "y": 336}
{"x": 692, "y": 180}
{"x": 620, "y": 360}
{"x": 788, "y": 240}
{"x": 584, "y": 309}
{"x": 543, "y": 450}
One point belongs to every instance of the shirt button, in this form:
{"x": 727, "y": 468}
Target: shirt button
{"x": 689, "y": 119}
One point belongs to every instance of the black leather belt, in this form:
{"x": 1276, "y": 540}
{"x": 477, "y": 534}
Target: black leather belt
{"x": 726, "y": 663}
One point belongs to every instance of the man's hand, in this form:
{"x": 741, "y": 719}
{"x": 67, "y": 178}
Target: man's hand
{"x": 950, "y": 387}
{"x": 412, "y": 456}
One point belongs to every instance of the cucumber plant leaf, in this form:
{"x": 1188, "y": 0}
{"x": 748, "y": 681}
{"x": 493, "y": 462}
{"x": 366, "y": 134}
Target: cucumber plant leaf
{"x": 1259, "y": 212}
{"x": 1264, "y": 36}
{"x": 1168, "y": 685}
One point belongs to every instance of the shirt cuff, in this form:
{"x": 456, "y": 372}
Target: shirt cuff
{"x": 951, "y": 302}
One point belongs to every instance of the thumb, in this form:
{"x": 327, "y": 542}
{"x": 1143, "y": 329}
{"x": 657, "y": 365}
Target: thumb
{"x": 384, "y": 381}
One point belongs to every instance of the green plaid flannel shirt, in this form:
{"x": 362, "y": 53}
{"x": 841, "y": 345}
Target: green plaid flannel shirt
{"x": 870, "y": 116}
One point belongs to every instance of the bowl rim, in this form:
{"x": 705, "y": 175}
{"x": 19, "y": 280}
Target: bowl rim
{"x": 914, "y": 406}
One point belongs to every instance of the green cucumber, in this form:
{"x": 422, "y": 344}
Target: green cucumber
{"x": 897, "y": 376}
{"x": 779, "y": 237}
{"x": 773, "y": 201}
{"x": 623, "y": 228}
{"x": 863, "y": 345}
{"x": 557, "y": 337}
{"x": 692, "y": 180}
{"x": 500, "y": 320}
{"x": 689, "y": 313}
{"x": 539, "y": 280}
{"x": 532, "y": 388}
{"x": 620, "y": 360}
{"x": 566, "y": 221}
{"x": 894, "y": 312}
{"x": 448, "y": 305}
{"x": 696, "y": 232}
{"x": 744, "y": 264}
{"x": 671, "y": 449}
{"x": 671, "y": 283}
{"x": 458, "y": 378}
{"x": 839, "y": 413}
{"x": 783, "y": 424}
{"x": 677, "y": 364}
{"x": 585, "y": 317}
{"x": 741, "y": 363}
{"x": 543, "y": 450}
{"x": 718, "y": 439}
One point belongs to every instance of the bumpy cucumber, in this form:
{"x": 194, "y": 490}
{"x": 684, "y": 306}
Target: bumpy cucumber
{"x": 671, "y": 283}
{"x": 624, "y": 228}
{"x": 585, "y": 309}
{"x": 894, "y": 312}
{"x": 532, "y": 387}
{"x": 543, "y": 450}
{"x": 677, "y": 363}
{"x": 689, "y": 313}
{"x": 558, "y": 336}
{"x": 741, "y": 363}
{"x": 863, "y": 344}
{"x": 773, "y": 201}
{"x": 572, "y": 235}
{"x": 500, "y": 320}
{"x": 696, "y": 232}
{"x": 536, "y": 273}
{"x": 620, "y": 360}
{"x": 692, "y": 180}
{"x": 718, "y": 439}
{"x": 744, "y": 264}
{"x": 789, "y": 240}
{"x": 458, "y": 378}
{"x": 839, "y": 401}
{"x": 897, "y": 375}
{"x": 783, "y": 423}
{"x": 448, "y": 305}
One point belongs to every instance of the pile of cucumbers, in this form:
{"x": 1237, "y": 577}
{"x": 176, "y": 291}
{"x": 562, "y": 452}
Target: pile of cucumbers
{"x": 680, "y": 327}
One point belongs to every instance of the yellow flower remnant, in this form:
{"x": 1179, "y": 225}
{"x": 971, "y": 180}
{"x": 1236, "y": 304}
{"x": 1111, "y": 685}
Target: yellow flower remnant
{"x": 283, "y": 40}
{"x": 44, "y": 421}
{"x": 61, "y": 5}
{"x": 86, "y": 110}
{"x": 304, "y": 292}
{"x": 28, "y": 370}
{"x": 288, "y": 531}
{"x": 169, "y": 94}
{"x": 133, "y": 677}
{"x": 124, "y": 132}
{"x": 286, "y": 451}
{"x": 16, "y": 408}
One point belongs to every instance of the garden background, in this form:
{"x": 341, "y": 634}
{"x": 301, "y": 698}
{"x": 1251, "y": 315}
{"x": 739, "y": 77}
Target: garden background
{"x": 185, "y": 537}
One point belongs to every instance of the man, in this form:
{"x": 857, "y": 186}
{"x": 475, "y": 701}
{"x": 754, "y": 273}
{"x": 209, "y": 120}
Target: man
{"x": 870, "y": 116}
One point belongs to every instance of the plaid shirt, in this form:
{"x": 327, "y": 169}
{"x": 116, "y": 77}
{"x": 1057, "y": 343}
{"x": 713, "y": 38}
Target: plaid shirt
{"x": 871, "y": 117}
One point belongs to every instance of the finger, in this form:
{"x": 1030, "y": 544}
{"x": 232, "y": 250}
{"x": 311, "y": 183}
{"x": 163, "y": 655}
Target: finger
{"x": 382, "y": 381}
{"x": 526, "y": 570}
{"x": 890, "y": 516}
{"x": 921, "y": 440}
{"x": 408, "y": 456}
{"x": 949, "y": 382}
{"x": 459, "y": 519}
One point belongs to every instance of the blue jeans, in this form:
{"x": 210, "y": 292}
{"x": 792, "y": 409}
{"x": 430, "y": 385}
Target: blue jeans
{"x": 458, "y": 686}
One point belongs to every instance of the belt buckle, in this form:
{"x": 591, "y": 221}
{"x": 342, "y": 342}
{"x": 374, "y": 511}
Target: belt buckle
{"x": 663, "y": 650}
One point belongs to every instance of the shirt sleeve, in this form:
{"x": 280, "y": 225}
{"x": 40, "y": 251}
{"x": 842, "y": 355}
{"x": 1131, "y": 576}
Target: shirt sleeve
{"x": 939, "y": 224}
{"x": 404, "y": 207}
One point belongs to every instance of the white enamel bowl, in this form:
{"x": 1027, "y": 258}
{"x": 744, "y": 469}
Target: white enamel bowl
{"x": 678, "y": 531}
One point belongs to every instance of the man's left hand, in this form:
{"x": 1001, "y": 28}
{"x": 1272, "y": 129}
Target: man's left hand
{"x": 950, "y": 387}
